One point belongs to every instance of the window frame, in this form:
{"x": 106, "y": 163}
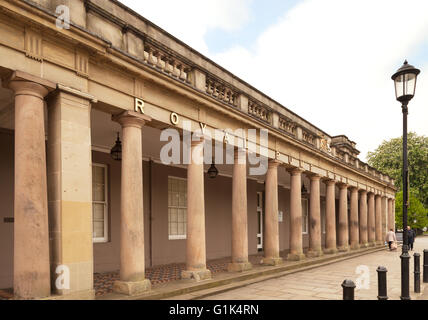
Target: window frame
{"x": 306, "y": 221}
{"x": 182, "y": 236}
{"x": 104, "y": 239}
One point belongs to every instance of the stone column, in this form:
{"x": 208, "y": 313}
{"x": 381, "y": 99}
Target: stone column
{"x": 343, "y": 238}
{"x": 239, "y": 214}
{"x": 315, "y": 218}
{"x": 391, "y": 216}
{"x": 196, "y": 262}
{"x": 296, "y": 239}
{"x": 330, "y": 218}
{"x": 393, "y": 213}
{"x": 364, "y": 240}
{"x": 132, "y": 268}
{"x": 70, "y": 191}
{"x": 271, "y": 256}
{"x": 354, "y": 235}
{"x": 384, "y": 216}
{"x": 371, "y": 220}
{"x": 378, "y": 219}
{"x": 31, "y": 275}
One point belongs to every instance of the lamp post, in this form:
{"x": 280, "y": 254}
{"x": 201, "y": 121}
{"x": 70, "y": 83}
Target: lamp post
{"x": 405, "y": 85}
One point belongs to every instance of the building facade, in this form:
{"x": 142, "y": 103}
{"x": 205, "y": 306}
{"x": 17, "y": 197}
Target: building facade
{"x": 69, "y": 209}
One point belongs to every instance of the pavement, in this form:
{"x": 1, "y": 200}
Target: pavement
{"x": 324, "y": 282}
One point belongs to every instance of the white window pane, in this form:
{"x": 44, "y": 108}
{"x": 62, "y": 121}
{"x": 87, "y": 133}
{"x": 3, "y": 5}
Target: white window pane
{"x": 98, "y": 174}
{"x": 98, "y": 192}
{"x": 180, "y": 230}
{"x": 98, "y": 229}
{"x": 98, "y": 211}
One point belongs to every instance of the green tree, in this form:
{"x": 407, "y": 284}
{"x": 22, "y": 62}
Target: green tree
{"x": 388, "y": 158}
{"x": 416, "y": 211}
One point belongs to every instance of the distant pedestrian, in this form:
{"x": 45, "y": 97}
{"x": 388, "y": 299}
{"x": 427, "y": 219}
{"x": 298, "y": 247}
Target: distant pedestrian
{"x": 411, "y": 235}
{"x": 390, "y": 238}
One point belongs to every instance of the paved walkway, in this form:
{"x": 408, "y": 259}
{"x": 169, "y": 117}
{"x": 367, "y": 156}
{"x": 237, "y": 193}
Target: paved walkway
{"x": 324, "y": 283}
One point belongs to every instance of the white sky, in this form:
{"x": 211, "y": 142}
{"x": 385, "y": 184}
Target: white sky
{"x": 330, "y": 61}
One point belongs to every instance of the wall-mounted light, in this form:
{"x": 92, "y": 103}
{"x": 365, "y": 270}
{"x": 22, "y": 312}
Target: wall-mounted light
{"x": 212, "y": 171}
{"x": 116, "y": 151}
{"x": 304, "y": 190}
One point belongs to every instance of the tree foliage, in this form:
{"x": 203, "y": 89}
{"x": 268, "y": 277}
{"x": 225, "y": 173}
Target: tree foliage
{"x": 388, "y": 158}
{"x": 416, "y": 211}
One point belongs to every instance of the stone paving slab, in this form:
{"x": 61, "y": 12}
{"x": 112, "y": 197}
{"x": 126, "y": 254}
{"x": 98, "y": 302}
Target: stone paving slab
{"x": 181, "y": 290}
{"x": 324, "y": 282}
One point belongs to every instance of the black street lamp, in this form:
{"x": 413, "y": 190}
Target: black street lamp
{"x": 405, "y": 85}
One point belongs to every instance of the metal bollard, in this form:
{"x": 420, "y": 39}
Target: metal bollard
{"x": 381, "y": 282}
{"x": 348, "y": 290}
{"x": 425, "y": 266}
{"x": 417, "y": 277}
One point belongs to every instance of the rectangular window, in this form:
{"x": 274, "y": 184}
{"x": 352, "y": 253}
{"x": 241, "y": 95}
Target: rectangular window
{"x": 305, "y": 216}
{"x": 177, "y": 208}
{"x": 99, "y": 203}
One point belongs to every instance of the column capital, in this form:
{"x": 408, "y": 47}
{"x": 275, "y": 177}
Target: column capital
{"x": 314, "y": 176}
{"x": 27, "y": 84}
{"x": 363, "y": 191}
{"x": 342, "y": 185}
{"x": 273, "y": 163}
{"x": 329, "y": 182}
{"x": 353, "y": 189}
{"x": 295, "y": 171}
{"x": 28, "y": 88}
{"x": 131, "y": 119}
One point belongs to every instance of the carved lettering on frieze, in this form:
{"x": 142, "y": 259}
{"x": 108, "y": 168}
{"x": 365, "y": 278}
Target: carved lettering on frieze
{"x": 139, "y": 105}
{"x": 174, "y": 118}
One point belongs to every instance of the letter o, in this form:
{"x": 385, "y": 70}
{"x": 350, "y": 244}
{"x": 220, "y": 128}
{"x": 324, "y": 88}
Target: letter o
{"x": 174, "y": 118}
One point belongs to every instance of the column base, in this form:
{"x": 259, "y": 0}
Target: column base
{"x": 295, "y": 256}
{"x": 132, "y": 288}
{"x": 380, "y": 243}
{"x": 196, "y": 275}
{"x": 78, "y": 295}
{"x": 330, "y": 251}
{"x": 343, "y": 249}
{"x": 314, "y": 253}
{"x": 355, "y": 246}
{"x": 372, "y": 244}
{"x": 364, "y": 245}
{"x": 271, "y": 261}
{"x": 239, "y": 266}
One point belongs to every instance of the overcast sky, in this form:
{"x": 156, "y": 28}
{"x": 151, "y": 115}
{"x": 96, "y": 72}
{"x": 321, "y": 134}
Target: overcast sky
{"x": 329, "y": 61}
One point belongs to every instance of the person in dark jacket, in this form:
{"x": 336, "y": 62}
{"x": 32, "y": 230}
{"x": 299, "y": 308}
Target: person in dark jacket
{"x": 411, "y": 235}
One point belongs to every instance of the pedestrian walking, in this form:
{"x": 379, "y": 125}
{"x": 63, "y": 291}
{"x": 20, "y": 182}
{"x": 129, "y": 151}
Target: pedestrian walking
{"x": 411, "y": 235}
{"x": 390, "y": 238}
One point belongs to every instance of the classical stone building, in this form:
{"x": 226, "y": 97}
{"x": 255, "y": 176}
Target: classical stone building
{"x": 69, "y": 209}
